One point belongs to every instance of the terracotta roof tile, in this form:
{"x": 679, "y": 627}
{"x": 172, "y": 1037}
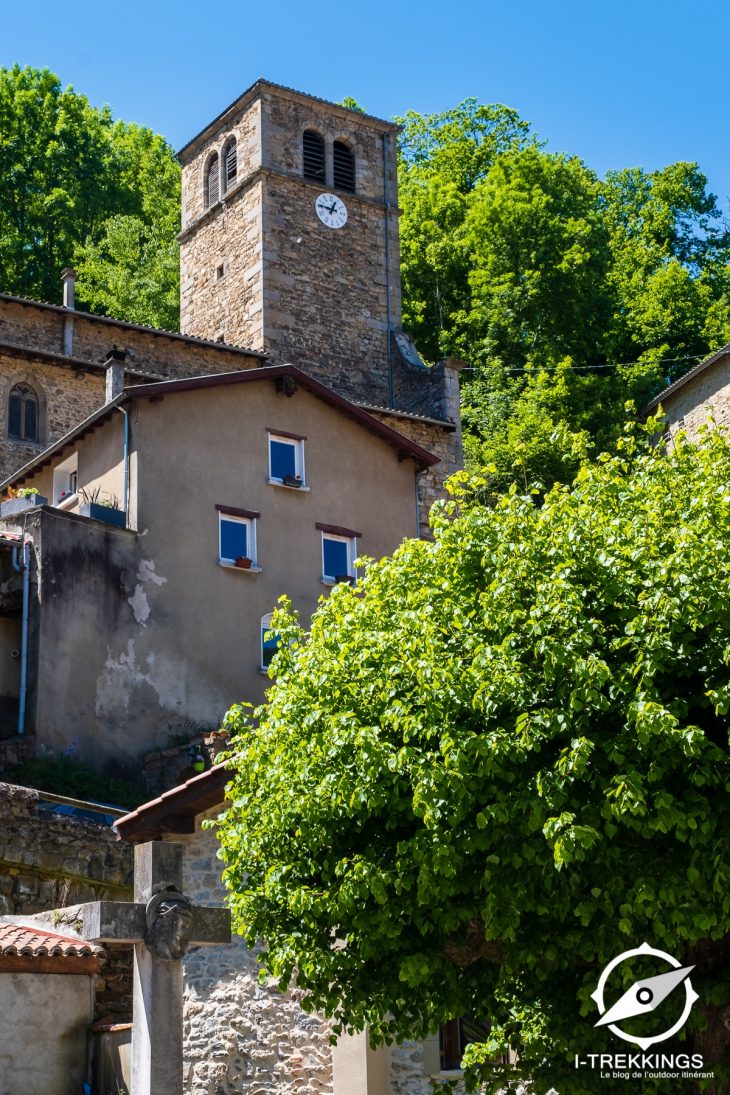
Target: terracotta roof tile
{"x": 17, "y": 940}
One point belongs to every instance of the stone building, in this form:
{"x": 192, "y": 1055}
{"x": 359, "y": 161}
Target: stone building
{"x": 703, "y": 391}
{"x": 290, "y": 423}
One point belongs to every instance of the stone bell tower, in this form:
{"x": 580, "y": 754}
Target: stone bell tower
{"x": 289, "y": 239}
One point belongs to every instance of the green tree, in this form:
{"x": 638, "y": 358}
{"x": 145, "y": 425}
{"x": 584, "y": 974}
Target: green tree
{"x": 499, "y": 761}
{"x": 443, "y": 158}
{"x": 68, "y": 172}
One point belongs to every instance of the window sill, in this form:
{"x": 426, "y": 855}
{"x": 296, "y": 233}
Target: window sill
{"x": 34, "y": 443}
{"x": 263, "y": 671}
{"x": 285, "y": 486}
{"x": 239, "y": 570}
{"x": 333, "y": 581}
{"x": 67, "y": 502}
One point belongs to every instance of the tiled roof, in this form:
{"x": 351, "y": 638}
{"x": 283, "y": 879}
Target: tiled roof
{"x": 17, "y": 940}
{"x": 399, "y": 441}
{"x": 706, "y": 364}
{"x": 187, "y": 800}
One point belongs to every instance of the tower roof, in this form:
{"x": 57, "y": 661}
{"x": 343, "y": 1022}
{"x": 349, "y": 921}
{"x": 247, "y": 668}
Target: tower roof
{"x": 254, "y": 91}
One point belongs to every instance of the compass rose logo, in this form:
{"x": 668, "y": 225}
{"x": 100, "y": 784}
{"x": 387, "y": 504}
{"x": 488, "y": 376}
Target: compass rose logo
{"x": 645, "y": 996}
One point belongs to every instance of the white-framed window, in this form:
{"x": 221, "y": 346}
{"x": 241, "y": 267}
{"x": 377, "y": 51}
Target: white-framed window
{"x": 66, "y": 480}
{"x": 339, "y": 551}
{"x": 286, "y": 459}
{"x": 269, "y": 642}
{"x": 237, "y": 537}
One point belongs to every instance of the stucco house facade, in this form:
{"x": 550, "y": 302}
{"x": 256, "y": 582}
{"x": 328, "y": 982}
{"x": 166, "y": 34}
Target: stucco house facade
{"x": 212, "y": 498}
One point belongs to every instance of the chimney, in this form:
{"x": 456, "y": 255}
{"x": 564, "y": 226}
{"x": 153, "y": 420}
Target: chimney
{"x": 68, "y": 277}
{"x": 114, "y": 373}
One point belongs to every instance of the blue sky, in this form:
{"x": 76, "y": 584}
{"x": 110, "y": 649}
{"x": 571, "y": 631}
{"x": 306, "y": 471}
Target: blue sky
{"x": 619, "y": 84}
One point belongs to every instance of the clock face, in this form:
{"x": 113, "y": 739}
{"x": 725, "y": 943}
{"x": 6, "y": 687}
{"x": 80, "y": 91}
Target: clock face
{"x": 331, "y": 210}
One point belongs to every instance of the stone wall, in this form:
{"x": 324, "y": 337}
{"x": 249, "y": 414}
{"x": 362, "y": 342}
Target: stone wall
{"x": 50, "y": 860}
{"x": 220, "y": 271}
{"x": 166, "y": 768}
{"x": 442, "y": 442}
{"x": 158, "y": 353}
{"x": 261, "y": 268}
{"x": 65, "y": 398}
{"x": 240, "y": 1036}
{"x": 707, "y": 393}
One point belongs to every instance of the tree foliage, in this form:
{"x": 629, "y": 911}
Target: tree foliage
{"x": 500, "y": 760}
{"x": 78, "y": 188}
{"x": 524, "y": 263}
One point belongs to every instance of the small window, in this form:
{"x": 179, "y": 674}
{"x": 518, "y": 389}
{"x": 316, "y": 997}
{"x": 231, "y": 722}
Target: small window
{"x": 66, "y": 479}
{"x": 212, "y": 181}
{"x": 286, "y": 460}
{"x": 313, "y": 156}
{"x": 338, "y": 553}
{"x": 230, "y": 164}
{"x": 455, "y": 1036}
{"x": 269, "y": 641}
{"x": 343, "y": 165}
{"x": 236, "y": 539}
{"x": 23, "y": 413}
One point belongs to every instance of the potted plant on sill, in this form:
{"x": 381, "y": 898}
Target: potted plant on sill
{"x": 101, "y": 507}
{"x": 292, "y": 480}
{"x": 243, "y": 562}
{"x": 22, "y": 499}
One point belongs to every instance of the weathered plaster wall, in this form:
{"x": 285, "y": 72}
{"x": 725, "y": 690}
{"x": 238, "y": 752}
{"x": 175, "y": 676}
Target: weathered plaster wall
{"x": 43, "y": 1032}
{"x": 240, "y": 1036}
{"x": 137, "y": 640}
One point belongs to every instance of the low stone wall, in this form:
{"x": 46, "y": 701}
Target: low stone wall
{"x": 14, "y": 751}
{"x": 50, "y": 860}
{"x": 167, "y": 768}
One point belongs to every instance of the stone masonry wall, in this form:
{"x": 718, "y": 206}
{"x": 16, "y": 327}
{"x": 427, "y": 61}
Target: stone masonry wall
{"x": 240, "y": 1036}
{"x": 260, "y": 268}
{"x": 442, "y": 442}
{"x": 220, "y": 272}
{"x": 159, "y": 353}
{"x": 49, "y": 861}
{"x": 65, "y": 398}
{"x": 708, "y": 393}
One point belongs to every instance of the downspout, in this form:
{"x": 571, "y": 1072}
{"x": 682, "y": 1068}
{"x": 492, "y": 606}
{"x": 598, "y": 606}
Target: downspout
{"x": 23, "y": 698}
{"x": 388, "y": 331}
{"x": 125, "y": 496}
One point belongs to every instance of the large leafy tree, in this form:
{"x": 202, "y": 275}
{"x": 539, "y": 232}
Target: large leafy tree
{"x": 76, "y": 187}
{"x": 501, "y": 760}
{"x": 525, "y": 263}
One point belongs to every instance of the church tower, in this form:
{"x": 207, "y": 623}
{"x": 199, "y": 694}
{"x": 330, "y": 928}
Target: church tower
{"x": 289, "y": 239}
